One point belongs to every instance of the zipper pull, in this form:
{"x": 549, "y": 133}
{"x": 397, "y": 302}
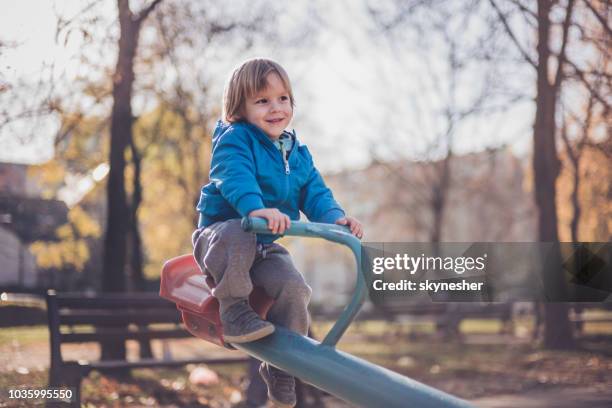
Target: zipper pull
{"x": 284, "y": 154}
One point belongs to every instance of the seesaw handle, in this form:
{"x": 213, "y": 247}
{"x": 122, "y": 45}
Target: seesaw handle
{"x": 331, "y": 232}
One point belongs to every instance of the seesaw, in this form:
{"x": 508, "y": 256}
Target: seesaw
{"x": 348, "y": 377}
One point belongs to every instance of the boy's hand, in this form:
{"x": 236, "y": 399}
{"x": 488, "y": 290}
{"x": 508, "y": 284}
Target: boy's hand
{"x": 277, "y": 221}
{"x": 353, "y": 224}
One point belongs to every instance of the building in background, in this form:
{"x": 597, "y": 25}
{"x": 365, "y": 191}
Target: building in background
{"x": 25, "y": 217}
{"x": 488, "y": 200}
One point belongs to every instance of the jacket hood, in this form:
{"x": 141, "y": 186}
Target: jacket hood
{"x": 221, "y": 127}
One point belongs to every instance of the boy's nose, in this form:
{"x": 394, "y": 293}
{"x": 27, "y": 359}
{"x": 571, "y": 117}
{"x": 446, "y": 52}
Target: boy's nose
{"x": 274, "y": 106}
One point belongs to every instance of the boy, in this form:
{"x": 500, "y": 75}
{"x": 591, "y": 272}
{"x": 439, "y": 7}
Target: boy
{"x": 260, "y": 170}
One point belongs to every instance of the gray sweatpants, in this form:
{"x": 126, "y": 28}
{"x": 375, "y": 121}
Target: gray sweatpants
{"x": 236, "y": 262}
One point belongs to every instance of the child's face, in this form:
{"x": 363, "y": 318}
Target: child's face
{"x": 270, "y": 109}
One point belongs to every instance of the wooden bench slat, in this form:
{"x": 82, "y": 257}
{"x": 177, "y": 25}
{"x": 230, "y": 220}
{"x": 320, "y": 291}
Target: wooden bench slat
{"x": 582, "y": 319}
{"x": 102, "y": 317}
{"x": 114, "y": 317}
{"x": 145, "y": 363}
{"x": 119, "y": 334}
{"x": 114, "y": 301}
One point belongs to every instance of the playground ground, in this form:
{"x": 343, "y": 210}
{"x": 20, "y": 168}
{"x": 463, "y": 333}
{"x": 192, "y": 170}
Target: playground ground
{"x": 490, "y": 369}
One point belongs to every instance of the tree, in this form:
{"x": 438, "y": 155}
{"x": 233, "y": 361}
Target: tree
{"x": 440, "y": 107}
{"x": 581, "y": 125}
{"x": 119, "y": 217}
{"x": 548, "y": 55}
{"x": 557, "y": 330}
{"x": 562, "y": 31}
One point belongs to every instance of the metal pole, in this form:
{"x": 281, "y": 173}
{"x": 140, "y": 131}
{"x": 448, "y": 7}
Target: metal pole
{"x": 321, "y": 364}
{"x": 350, "y": 378}
{"x": 334, "y": 233}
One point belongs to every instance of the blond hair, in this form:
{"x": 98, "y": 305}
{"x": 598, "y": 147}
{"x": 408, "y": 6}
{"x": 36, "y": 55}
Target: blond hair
{"x": 247, "y": 80}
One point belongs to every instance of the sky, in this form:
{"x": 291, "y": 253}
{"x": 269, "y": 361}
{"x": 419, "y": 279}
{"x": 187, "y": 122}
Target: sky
{"x": 36, "y": 50}
{"x": 353, "y": 93}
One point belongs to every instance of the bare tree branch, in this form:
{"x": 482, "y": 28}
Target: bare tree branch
{"x": 599, "y": 17}
{"x": 63, "y": 24}
{"x": 561, "y": 58}
{"x": 601, "y": 147}
{"x": 30, "y": 113}
{"x": 516, "y": 42}
{"x": 146, "y": 11}
{"x": 572, "y": 152}
{"x": 524, "y": 8}
{"x": 400, "y": 17}
{"x": 581, "y": 75}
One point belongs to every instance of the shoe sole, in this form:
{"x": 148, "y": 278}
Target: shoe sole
{"x": 278, "y": 403}
{"x": 246, "y": 338}
{"x": 270, "y": 397}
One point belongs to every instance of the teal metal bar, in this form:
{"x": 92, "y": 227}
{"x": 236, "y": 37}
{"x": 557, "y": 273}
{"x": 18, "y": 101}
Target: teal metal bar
{"x": 350, "y": 378}
{"x": 334, "y": 233}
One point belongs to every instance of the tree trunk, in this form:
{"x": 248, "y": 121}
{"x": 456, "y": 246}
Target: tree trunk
{"x": 439, "y": 196}
{"x": 575, "y": 156}
{"x": 557, "y": 329}
{"x": 137, "y": 281}
{"x": 576, "y": 203}
{"x": 119, "y": 216}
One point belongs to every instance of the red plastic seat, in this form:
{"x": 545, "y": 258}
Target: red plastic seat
{"x": 183, "y": 283}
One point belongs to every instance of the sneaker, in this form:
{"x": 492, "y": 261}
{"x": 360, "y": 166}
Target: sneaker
{"x": 241, "y": 324}
{"x": 281, "y": 386}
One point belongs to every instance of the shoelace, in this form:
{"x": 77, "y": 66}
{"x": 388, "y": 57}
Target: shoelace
{"x": 262, "y": 249}
{"x": 243, "y": 314}
{"x": 282, "y": 380}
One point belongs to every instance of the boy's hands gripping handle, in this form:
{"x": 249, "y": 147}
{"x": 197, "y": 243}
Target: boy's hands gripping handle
{"x": 330, "y": 232}
{"x": 278, "y": 222}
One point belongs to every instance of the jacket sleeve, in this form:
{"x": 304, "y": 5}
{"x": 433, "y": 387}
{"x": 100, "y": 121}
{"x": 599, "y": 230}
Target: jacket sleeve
{"x": 316, "y": 199}
{"x": 233, "y": 172}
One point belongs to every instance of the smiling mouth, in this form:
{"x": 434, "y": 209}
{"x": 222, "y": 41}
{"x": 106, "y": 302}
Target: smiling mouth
{"x": 274, "y": 121}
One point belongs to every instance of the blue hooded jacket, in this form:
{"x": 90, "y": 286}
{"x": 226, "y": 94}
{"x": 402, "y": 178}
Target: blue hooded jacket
{"x": 247, "y": 172}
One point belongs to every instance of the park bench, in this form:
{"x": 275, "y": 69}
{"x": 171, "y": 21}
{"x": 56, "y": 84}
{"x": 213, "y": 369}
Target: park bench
{"x": 80, "y": 318}
{"x": 445, "y": 316}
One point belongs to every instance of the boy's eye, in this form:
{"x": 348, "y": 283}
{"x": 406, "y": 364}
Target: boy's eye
{"x": 284, "y": 98}
{"x": 262, "y": 100}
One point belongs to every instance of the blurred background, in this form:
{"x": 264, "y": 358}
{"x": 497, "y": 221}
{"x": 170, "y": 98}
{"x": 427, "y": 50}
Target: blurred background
{"x": 432, "y": 121}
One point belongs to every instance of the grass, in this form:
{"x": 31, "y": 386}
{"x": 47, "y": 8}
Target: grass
{"x": 470, "y": 367}
{"x": 35, "y": 378}
{"x": 25, "y": 335}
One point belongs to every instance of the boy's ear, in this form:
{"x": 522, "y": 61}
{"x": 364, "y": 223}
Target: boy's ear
{"x": 238, "y": 116}
{"x": 234, "y": 118}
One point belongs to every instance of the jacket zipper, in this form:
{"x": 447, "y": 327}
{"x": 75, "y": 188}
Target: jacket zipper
{"x": 287, "y": 171}
{"x": 284, "y": 154}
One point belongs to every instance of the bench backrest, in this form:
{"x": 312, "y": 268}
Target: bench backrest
{"x": 78, "y": 318}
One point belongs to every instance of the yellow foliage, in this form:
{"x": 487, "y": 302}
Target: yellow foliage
{"x": 48, "y": 255}
{"x": 593, "y": 195}
{"x": 49, "y": 175}
{"x": 175, "y": 159}
{"x": 51, "y": 172}
{"x": 172, "y": 176}
{"x": 85, "y": 225}
{"x": 71, "y": 251}
{"x": 64, "y": 232}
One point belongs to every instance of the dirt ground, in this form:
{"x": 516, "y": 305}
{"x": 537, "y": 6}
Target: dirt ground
{"x": 557, "y": 397}
{"x": 491, "y": 370}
